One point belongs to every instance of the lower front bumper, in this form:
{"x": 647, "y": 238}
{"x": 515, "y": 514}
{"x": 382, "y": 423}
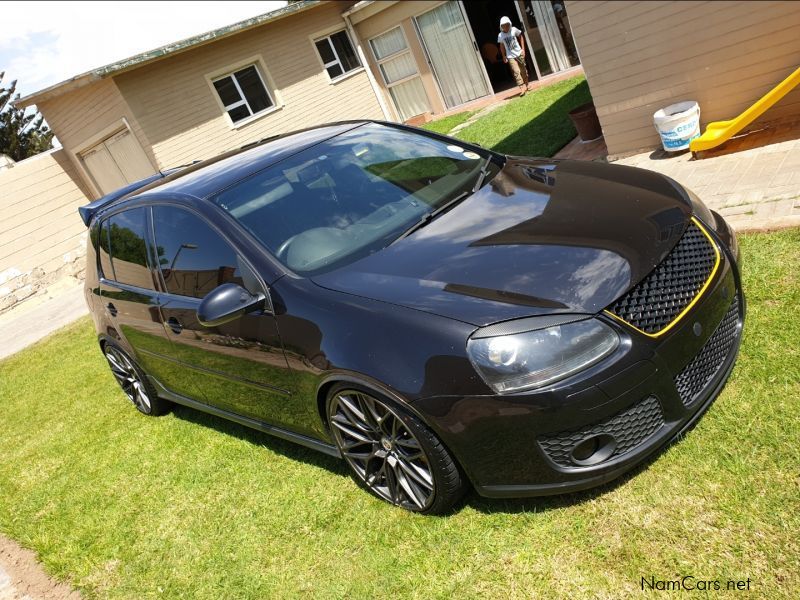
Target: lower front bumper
{"x": 524, "y": 445}
{"x": 641, "y": 455}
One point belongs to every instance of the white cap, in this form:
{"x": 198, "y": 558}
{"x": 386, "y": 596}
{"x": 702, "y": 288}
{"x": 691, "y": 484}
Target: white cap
{"x": 505, "y": 21}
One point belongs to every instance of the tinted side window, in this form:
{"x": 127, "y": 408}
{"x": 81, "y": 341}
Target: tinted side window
{"x": 103, "y": 251}
{"x": 127, "y": 234}
{"x": 194, "y": 258}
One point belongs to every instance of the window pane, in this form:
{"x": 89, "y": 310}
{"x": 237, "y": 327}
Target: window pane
{"x": 344, "y": 49}
{"x": 128, "y": 248}
{"x": 103, "y": 250}
{"x": 388, "y": 43}
{"x": 325, "y": 51}
{"x": 254, "y": 91}
{"x": 227, "y": 91}
{"x": 334, "y": 71}
{"x": 398, "y": 68}
{"x": 194, "y": 258}
{"x": 239, "y": 113}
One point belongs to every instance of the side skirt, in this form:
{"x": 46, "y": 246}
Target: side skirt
{"x": 284, "y": 434}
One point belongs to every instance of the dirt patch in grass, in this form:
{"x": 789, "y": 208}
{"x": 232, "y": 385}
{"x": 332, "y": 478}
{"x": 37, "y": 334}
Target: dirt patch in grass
{"x": 22, "y": 577}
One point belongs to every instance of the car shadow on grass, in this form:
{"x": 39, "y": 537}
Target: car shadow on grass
{"x": 472, "y": 500}
{"x": 288, "y": 449}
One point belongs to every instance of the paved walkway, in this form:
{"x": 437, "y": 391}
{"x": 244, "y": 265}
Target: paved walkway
{"x": 38, "y": 317}
{"x": 754, "y": 182}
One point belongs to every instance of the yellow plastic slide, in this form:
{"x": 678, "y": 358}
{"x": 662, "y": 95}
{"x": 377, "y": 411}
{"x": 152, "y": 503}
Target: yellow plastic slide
{"x": 719, "y": 132}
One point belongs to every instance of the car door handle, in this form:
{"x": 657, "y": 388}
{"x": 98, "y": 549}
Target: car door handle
{"x": 111, "y": 309}
{"x": 175, "y": 325}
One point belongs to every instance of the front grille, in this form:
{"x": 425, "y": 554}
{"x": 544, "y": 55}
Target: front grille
{"x": 697, "y": 374}
{"x": 671, "y": 286}
{"x": 629, "y": 427}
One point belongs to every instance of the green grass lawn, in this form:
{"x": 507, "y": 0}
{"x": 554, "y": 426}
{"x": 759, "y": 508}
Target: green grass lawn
{"x": 190, "y": 506}
{"x": 446, "y": 124}
{"x": 533, "y": 125}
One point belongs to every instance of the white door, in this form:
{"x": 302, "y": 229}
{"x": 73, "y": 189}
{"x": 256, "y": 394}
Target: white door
{"x": 452, "y": 54}
{"x": 399, "y": 71}
{"x": 117, "y": 161}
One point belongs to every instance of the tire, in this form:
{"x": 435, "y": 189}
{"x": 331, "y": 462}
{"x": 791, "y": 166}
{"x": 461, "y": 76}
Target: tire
{"x": 392, "y": 453}
{"x": 134, "y": 383}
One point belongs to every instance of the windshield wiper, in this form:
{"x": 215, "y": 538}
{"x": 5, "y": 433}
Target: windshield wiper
{"x": 430, "y": 216}
{"x": 482, "y": 175}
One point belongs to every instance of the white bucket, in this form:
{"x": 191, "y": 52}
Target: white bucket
{"x": 678, "y": 124}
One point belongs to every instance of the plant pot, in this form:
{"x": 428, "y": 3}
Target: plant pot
{"x": 586, "y": 122}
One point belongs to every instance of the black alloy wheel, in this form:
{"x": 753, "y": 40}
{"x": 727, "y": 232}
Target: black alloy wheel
{"x": 393, "y": 454}
{"x": 133, "y": 382}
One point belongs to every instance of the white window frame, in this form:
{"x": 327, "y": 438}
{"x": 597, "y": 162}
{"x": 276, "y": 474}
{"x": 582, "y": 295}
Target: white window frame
{"x": 337, "y": 60}
{"x": 258, "y": 63}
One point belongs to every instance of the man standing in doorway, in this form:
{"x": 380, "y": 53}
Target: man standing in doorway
{"x": 512, "y": 47}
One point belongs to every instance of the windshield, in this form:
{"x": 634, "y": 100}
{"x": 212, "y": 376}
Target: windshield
{"x": 351, "y": 195}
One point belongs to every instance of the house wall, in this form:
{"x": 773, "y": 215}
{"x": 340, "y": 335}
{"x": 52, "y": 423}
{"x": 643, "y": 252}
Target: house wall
{"x": 82, "y": 117}
{"x": 42, "y": 237}
{"x": 180, "y": 116}
{"x": 641, "y": 56}
{"x": 371, "y": 24}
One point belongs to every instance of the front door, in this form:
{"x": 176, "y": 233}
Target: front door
{"x": 239, "y": 366}
{"x": 453, "y": 54}
{"x": 117, "y": 161}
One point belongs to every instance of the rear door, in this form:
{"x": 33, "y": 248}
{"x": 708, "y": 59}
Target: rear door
{"x": 127, "y": 288}
{"x": 239, "y": 366}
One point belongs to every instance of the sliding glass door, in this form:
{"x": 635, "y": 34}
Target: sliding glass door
{"x": 452, "y": 53}
{"x": 547, "y": 27}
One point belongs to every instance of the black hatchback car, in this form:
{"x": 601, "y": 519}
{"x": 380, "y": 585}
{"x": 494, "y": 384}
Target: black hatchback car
{"x": 436, "y": 314}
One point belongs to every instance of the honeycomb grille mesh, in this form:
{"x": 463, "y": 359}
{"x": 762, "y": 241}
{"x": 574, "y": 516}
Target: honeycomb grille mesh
{"x": 629, "y": 427}
{"x": 671, "y": 286}
{"x": 701, "y": 370}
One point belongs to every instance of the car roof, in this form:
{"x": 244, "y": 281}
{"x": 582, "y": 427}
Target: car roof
{"x": 213, "y": 175}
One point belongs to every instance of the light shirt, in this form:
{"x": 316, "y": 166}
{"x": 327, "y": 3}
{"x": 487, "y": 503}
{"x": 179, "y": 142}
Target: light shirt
{"x": 509, "y": 40}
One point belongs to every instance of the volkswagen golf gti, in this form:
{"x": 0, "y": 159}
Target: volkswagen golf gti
{"x": 438, "y": 315}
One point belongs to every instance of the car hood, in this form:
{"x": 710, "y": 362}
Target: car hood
{"x": 542, "y": 237}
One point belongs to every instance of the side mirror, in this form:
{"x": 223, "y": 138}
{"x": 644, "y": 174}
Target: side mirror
{"x": 225, "y": 303}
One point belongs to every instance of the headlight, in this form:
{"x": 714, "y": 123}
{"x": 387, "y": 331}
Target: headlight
{"x": 531, "y": 359}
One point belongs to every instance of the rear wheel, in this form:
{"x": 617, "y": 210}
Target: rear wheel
{"x": 392, "y": 453}
{"x": 134, "y": 382}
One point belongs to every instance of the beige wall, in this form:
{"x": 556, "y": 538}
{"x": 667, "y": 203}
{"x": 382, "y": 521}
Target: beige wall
{"x": 641, "y": 56}
{"x": 400, "y": 13}
{"x": 41, "y": 235}
{"x": 83, "y": 117}
{"x": 182, "y": 120}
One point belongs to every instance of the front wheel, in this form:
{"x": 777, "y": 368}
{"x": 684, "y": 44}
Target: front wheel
{"x": 134, "y": 382}
{"x": 392, "y": 453}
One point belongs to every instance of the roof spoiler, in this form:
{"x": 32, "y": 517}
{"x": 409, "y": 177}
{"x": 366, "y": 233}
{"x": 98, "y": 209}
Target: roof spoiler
{"x": 89, "y": 210}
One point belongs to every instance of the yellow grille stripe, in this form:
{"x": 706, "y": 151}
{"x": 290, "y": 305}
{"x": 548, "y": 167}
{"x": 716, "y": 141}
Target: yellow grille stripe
{"x": 694, "y": 301}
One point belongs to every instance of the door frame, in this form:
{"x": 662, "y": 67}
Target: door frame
{"x": 524, "y": 22}
{"x": 427, "y": 54}
{"x": 100, "y": 137}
